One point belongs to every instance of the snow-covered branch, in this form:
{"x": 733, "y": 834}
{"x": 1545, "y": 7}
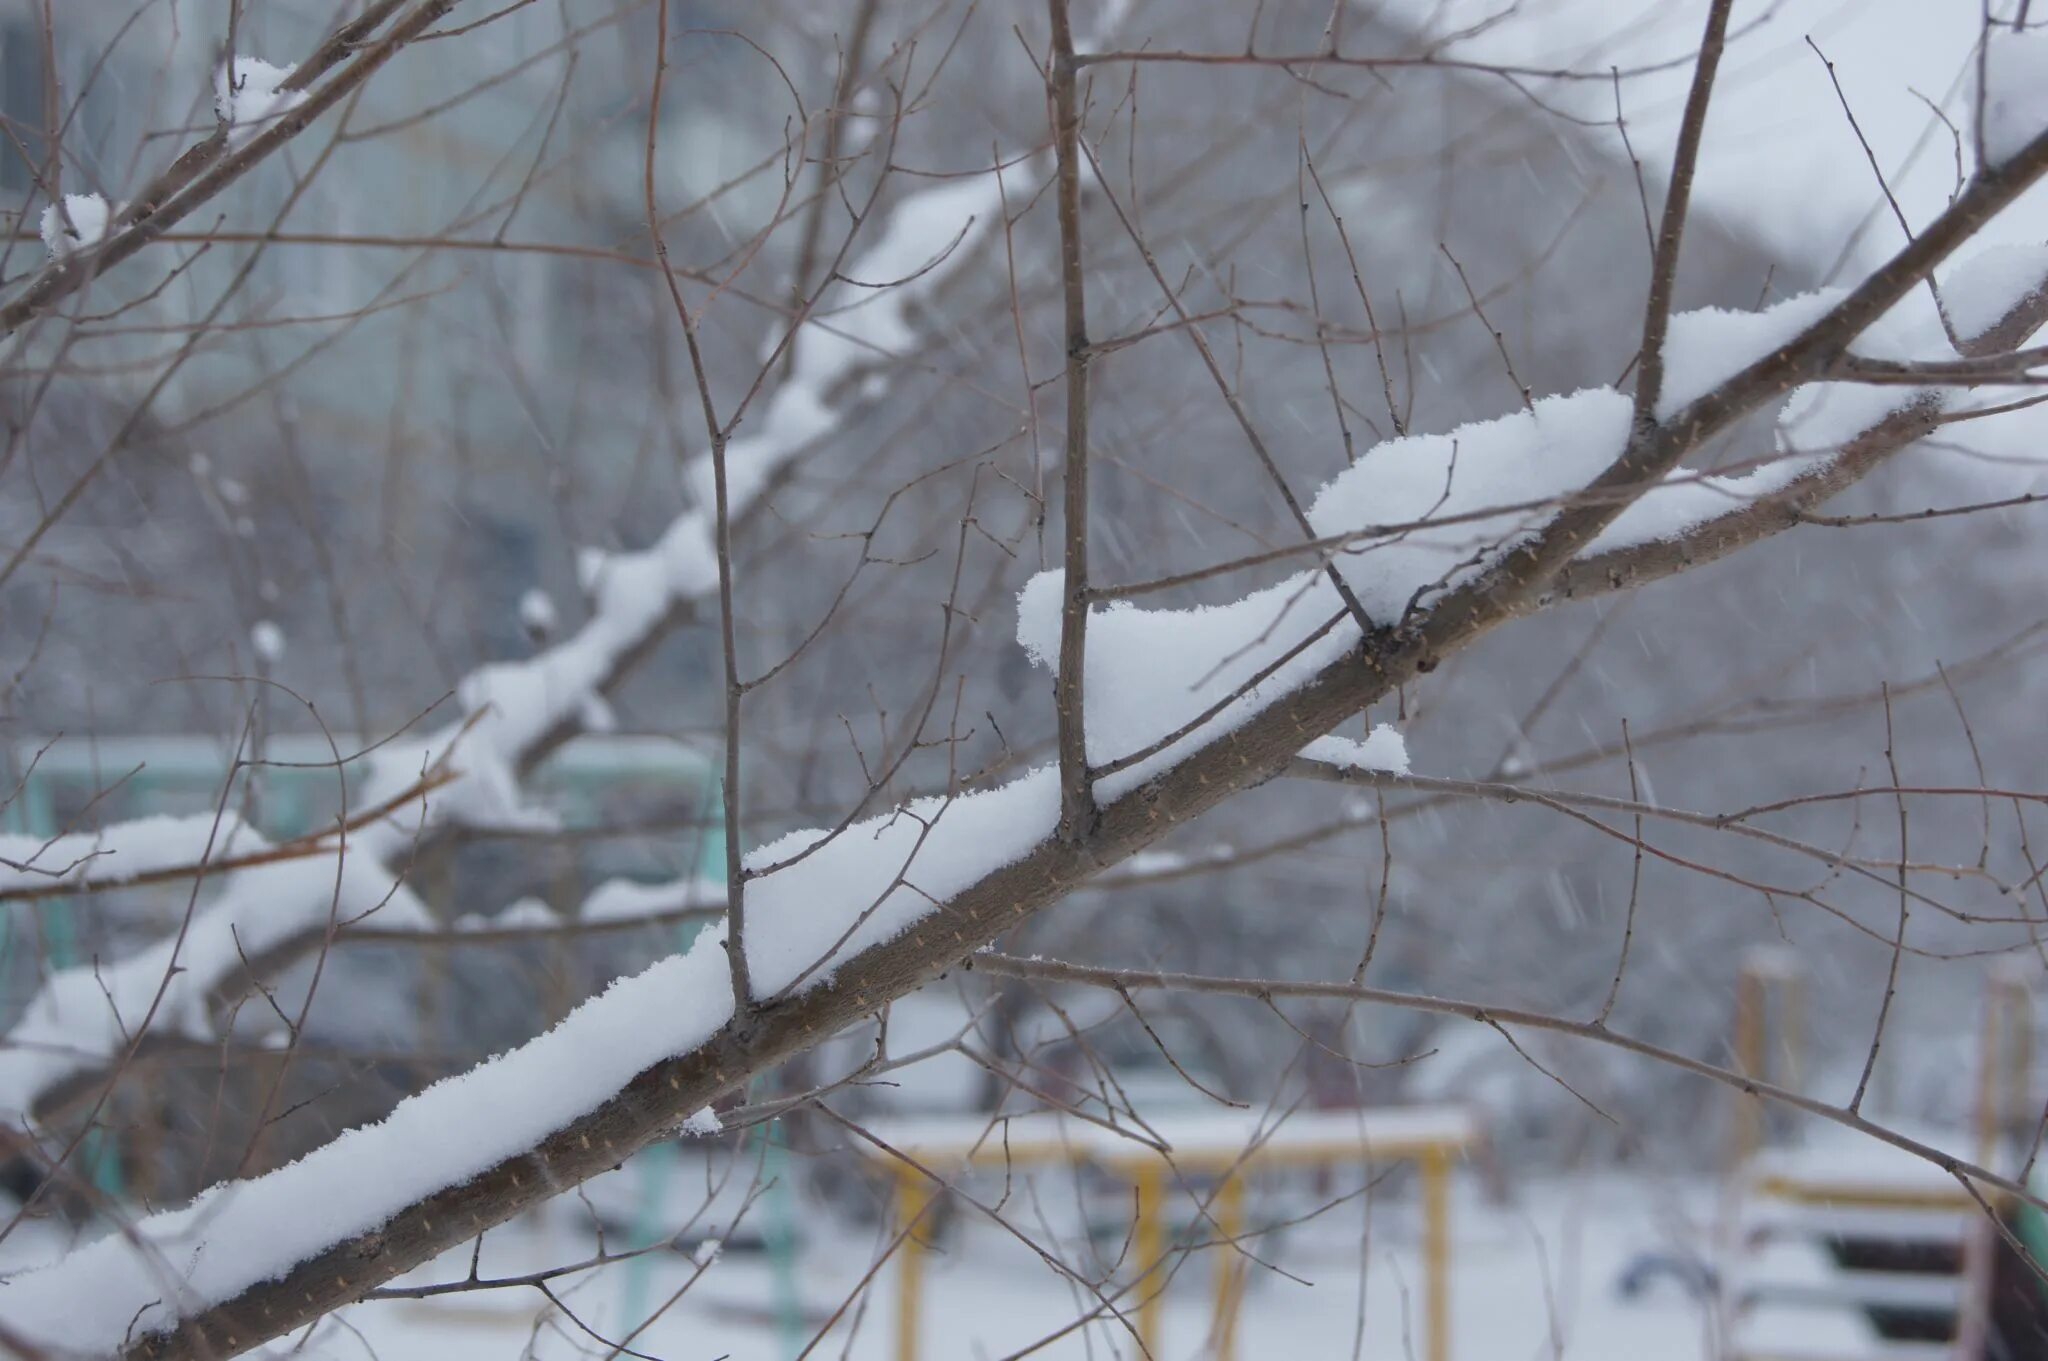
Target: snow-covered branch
{"x": 124, "y": 854}
{"x": 513, "y": 709}
{"x": 90, "y": 1017}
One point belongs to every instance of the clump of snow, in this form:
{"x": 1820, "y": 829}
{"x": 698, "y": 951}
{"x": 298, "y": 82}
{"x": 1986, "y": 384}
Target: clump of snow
{"x": 703, "y": 1123}
{"x": 1772, "y": 961}
{"x": 77, "y": 225}
{"x": 2015, "y": 92}
{"x": 1979, "y": 293}
{"x": 1482, "y": 489}
{"x": 1822, "y": 417}
{"x": 874, "y": 880}
{"x": 142, "y": 1280}
{"x": 1383, "y": 749}
{"x": 486, "y": 790}
{"x": 537, "y": 612}
{"x": 268, "y": 640}
{"x": 248, "y": 95}
{"x": 1704, "y": 349}
{"x": 1156, "y": 862}
{"x": 1152, "y": 672}
{"x": 707, "y": 1252}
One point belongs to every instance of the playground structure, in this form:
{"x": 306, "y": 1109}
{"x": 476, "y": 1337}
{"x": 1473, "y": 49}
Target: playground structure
{"x": 1224, "y": 1148}
{"x": 1847, "y": 1249}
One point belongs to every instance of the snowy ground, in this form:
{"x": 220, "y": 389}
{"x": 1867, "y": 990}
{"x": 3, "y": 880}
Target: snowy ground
{"x": 1536, "y": 1278}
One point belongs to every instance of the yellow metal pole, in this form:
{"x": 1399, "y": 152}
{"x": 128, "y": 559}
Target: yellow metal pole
{"x": 912, "y": 1196}
{"x": 2020, "y": 1061}
{"x": 1793, "y": 994}
{"x": 1150, "y": 1246}
{"x": 1749, "y": 1060}
{"x": 2001, "y": 1076}
{"x": 1229, "y": 1213}
{"x": 1988, "y": 1066}
{"x": 1436, "y": 1253}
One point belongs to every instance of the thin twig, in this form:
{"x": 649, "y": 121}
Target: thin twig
{"x": 1077, "y": 796}
{"x": 1677, "y": 204}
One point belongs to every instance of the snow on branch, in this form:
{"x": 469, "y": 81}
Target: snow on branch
{"x": 85, "y": 1018}
{"x": 920, "y": 245}
{"x": 250, "y": 94}
{"x": 34, "y": 865}
{"x": 835, "y": 896}
{"x": 1704, "y": 349}
{"x": 615, "y": 904}
{"x": 1981, "y": 292}
{"x": 265, "y": 899}
{"x": 77, "y": 223}
{"x": 1384, "y": 750}
{"x": 2015, "y": 95}
{"x": 1166, "y": 681}
{"x": 1163, "y": 682}
{"x": 631, "y": 593}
